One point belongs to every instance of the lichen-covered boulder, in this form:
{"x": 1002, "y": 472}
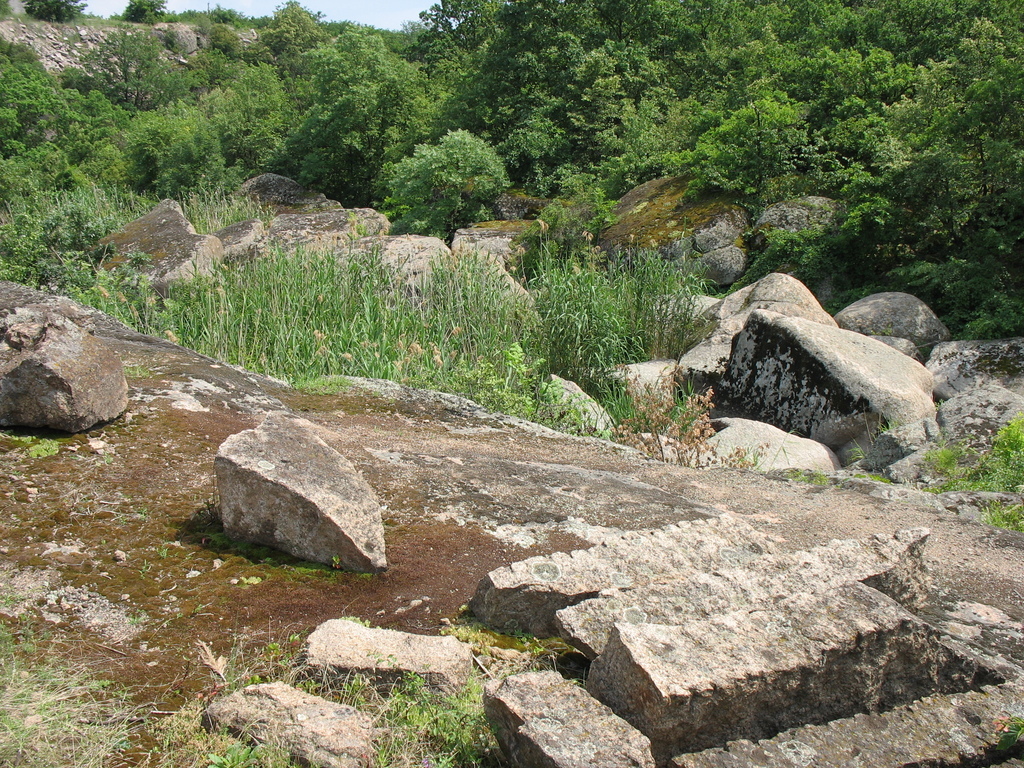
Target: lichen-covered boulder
{"x": 241, "y": 241}
{"x": 56, "y": 375}
{"x": 975, "y": 416}
{"x": 333, "y": 230}
{"x": 894, "y": 314}
{"x": 822, "y": 382}
{"x": 284, "y": 194}
{"x": 170, "y": 241}
{"x": 962, "y": 365}
{"x": 280, "y": 485}
{"x": 498, "y": 239}
{"x": 901, "y": 441}
{"x": 800, "y": 214}
{"x": 311, "y": 729}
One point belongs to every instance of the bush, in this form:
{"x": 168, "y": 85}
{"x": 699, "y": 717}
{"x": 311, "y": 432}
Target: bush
{"x": 145, "y": 11}
{"x": 1000, "y": 470}
{"x": 59, "y": 11}
{"x": 446, "y": 185}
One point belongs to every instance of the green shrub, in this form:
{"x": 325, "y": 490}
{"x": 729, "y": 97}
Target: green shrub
{"x": 1001, "y": 469}
{"x": 54, "y": 10}
{"x": 447, "y": 185}
{"x": 145, "y": 11}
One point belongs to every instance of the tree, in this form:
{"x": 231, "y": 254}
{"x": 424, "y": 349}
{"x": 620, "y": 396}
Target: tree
{"x": 54, "y": 10}
{"x": 128, "y": 69}
{"x": 145, "y": 11}
{"x": 369, "y": 109}
{"x": 447, "y": 185}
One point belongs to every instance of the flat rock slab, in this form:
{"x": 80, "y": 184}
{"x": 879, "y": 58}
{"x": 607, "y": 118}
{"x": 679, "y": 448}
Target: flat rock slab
{"x": 542, "y": 720}
{"x": 893, "y": 565}
{"x": 56, "y": 375}
{"x": 524, "y": 596}
{"x": 769, "y": 447}
{"x": 313, "y": 730}
{"x": 752, "y": 674}
{"x": 282, "y": 486}
{"x": 942, "y": 730}
{"x": 340, "y": 648}
{"x": 824, "y": 383}
{"x": 323, "y": 231}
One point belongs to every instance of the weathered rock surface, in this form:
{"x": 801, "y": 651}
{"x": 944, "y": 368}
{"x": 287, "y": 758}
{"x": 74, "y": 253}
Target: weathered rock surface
{"x": 893, "y": 565}
{"x": 282, "y": 486}
{"x": 182, "y": 39}
{"x": 412, "y": 257}
{"x": 906, "y": 346}
{"x": 175, "y": 250}
{"x": 899, "y": 442}
{"x": 313, "y": 730}
{"x": 940, "y": 730}
{"x": 332, "y": 230}
{"x": 828, "y": 384}
{"x": 962, "y": 365}
{"x": 593, "y": 417}
{"x": 752, "y": 674}
{"x": 340, "y": 648}
{"x": 56, "y": 375}
{"x": 498, "y": 239}
{"x": 799, "y": 214}
{"x": 276, "y": 191}
{"x": 722, "y": 266}
{"x": 975, "y": 416}
{"x": 769, "y": 448}
{"x": 542, "y": 720}
{"x": 524, "y": 596}
{"x": 894, "y": 314}
{"x": 516, "y": 206}
{"x": 241, "y": 241}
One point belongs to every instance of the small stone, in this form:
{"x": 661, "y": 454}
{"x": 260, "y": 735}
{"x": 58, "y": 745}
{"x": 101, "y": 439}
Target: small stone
{"x": 120, "y": 555}
{"x": 193, "y": 573}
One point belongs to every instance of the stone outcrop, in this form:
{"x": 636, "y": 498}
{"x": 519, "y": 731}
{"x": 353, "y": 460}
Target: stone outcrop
{"x": 578, "y": 405}
{"x": 280, "y": 485}
{"x": 517, "y": 206}
{"x": 810, "y": 658}
{"x": 411, "y": 257}
{"x": 812, "y": 212}
{"x": 893, "y": 565}
{"x": 975, "y": 416}
{"x": 900, "y": 442}
{"x": 170, "y": 241}
{"x": 283, "y": 194}
{"x": 939, "y": 730}
{"x": 542, "y": 720}
{"x": 894, "y": 314}
{"x": 722, "y": 266}
{"x": 830, "y": 385}
{"x": 769, "y": 448}
{"x": 961, "y": 365}
{"x": 524, "y": 596}
{"x": 54, "y": 374}
{"x": 498, "y": 239}
{"x": 311, "y": 729}
{"x": 340, "y": 648}
{"x": 241, "y": 241}
{"x": 704, "y": 365}
{"x": 331, "y": 230}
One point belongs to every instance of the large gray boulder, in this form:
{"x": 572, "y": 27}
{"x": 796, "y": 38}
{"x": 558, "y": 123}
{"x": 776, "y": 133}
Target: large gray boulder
{"x": 831, "y": 385}
{"x": 962, "y": 365}
{"x": 703, "y": 366}
{"x": 280, "y": 485}
{"x": 893, "y": 565}
{"x": 340, "y": 648}
{"x": 802, "y": 213}
{"x": 332, "y": 230}
{"x": 768, "y": 447}
{"x": 975, "y": 416}
{"x": 170, "y": 241}
{"x": 722, "y": 266}
{"x": 524, "y": 596}
{"x": 894, "y": 314}
{"x": 241, "y": 241}
{"x": 901, "y": 441}
{"x": 54, "y": 374}
{"x": 750, "y": 674}
{"x": 280, "y": 192}
{"x": 495, "y": 238}
{"x": 542, "y": 720}
{"x": 576, "y": 405}
{"x": 312, "y": 730}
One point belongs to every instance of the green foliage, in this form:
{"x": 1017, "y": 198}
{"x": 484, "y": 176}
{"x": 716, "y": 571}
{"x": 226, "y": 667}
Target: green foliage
{"x": 447, "y": 185}
{"x": 1001, "y": 469}
{"x": 370, "y": 110}
{"x": 60, "y": 11}
{"x": 5, "y": 8}
{"x": 145, "y": 11}
{"x": 127, "y": 67}
{"x": 1011, "y": 732}
{"x": 1009, "y": 516}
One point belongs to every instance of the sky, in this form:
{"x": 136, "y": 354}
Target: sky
{"x": 386, "y": 14}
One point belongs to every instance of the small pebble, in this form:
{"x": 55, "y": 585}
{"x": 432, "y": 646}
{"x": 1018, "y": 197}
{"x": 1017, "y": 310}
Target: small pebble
{"x": 120, "y": 556}
{"x": 192, "y": 574}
